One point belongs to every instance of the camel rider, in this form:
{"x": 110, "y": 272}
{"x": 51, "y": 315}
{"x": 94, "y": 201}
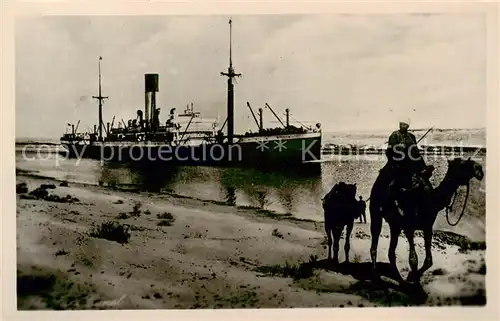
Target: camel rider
{"x": 408, "y": 166}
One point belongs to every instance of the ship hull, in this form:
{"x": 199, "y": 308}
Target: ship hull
{"x": 279, "y": 150}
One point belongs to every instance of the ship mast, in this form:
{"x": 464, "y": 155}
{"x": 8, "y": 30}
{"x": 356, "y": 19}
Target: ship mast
{"x": 100, "y": 98}
{"x": 230, "y": 93}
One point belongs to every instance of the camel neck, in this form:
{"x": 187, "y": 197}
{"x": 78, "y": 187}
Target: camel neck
{"x": 444, "y": 192}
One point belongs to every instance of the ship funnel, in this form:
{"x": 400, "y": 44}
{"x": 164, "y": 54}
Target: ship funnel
{"x": 151, "y": 87}
{"x": 140, "y": 116}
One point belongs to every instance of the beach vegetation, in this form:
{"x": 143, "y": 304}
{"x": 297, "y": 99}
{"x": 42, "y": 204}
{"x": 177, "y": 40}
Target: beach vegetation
{"x": 166, "y": 219}
{"x": 277, "y": 233}
{"x": 112, "y": 231}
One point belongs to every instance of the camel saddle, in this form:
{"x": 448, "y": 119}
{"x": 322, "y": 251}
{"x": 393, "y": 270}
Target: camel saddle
{"x": 409, "y": 190}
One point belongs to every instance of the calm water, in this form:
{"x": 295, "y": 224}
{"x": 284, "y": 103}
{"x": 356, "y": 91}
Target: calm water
{"x": 274, "y": 191}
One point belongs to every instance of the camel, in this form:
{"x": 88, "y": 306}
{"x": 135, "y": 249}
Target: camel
{"x": 382, "y": 206}
{"x": 340, "y": 209}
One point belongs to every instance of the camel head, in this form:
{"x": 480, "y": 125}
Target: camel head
{"x": 463, "y": 170}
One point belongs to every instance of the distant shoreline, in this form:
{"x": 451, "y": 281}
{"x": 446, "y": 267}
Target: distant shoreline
{"x": 390, "y": 130}
{"x": 52, "y": 140}
{"x": 342, "y": 148}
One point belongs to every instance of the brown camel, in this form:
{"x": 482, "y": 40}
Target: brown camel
{"x": 340, "y": 209}
{"x": 382, "y": 205}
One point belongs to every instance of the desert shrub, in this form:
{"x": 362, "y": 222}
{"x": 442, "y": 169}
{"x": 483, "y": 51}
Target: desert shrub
{"x": 61, "y": 252}
{"x": 164, "y": 223}
{"x": 296, "y": 272}
{"x": 40, "y": 192}
{"x": 58, "y": 199}
{"x": 22, "y": 188}
{"x": 47, "y": 186}
{"x": 122, "y": 216}
{"x": 112, "y": 231}
{"x": 277, "y": 233}
{"x": 262, "y": 200}
{"x": 166, "y": 216}
{"x": 28, "y": 197}
{"x": 137, "y": 228}
{"x": 166, "y": 219}
{"x": 439, "y": 272}
{"x": 136, "y": 211}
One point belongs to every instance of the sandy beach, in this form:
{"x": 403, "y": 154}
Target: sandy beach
{"x": 189, "y": 253}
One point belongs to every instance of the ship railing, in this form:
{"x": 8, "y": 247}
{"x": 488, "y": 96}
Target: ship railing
{"x": 279, "y": 131}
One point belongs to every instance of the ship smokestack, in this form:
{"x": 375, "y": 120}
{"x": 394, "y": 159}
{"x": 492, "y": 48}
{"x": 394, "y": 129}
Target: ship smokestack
{"x": 287, "y": 111}
{"x": 151, "y": 82}
{"x": 146, "y": 110}
{"x": 141, "y": 120}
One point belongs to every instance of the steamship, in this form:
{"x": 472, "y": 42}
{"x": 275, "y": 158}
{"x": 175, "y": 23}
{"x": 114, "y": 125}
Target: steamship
{"x": 189, "y": 139}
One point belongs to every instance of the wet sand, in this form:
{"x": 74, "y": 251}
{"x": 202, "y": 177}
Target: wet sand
{"x": 188, "y": 253}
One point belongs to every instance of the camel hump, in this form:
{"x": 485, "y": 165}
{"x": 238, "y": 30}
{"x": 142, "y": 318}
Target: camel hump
{"x": 338, "y": 188}
{"x": 340, "y": 191}
{"x": 343, "y": 189}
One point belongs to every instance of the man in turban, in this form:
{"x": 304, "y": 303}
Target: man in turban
{"x": 409, "y": 171}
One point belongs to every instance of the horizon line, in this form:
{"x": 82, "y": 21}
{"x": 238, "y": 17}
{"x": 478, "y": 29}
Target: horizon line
{"x": 344, "y": 131}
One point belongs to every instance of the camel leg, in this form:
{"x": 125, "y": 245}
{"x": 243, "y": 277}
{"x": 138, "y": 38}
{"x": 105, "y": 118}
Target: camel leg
{"x": 337, "y": 231}
{"x": 330, "y": 242}
{"x": 347, "y": 245}
{"x": 375, "y": 229}
{"x": 428, "y": 253}
{"x": 395, "y": 231}
{"x": 413, "y": 258}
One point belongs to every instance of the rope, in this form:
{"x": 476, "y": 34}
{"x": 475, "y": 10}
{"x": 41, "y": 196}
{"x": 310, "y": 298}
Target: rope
{"x": 449, "y": 208}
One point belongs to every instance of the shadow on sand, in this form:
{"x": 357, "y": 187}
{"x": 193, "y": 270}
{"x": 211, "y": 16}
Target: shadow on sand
{"x": 383, "y": 292}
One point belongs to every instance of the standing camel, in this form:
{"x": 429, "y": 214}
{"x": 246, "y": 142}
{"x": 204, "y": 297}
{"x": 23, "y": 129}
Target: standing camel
{"x": 382, "y": 205}
{"x": 340, "y": 209}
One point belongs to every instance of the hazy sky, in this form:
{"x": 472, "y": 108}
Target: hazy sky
{"x": 346, "y": 71}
